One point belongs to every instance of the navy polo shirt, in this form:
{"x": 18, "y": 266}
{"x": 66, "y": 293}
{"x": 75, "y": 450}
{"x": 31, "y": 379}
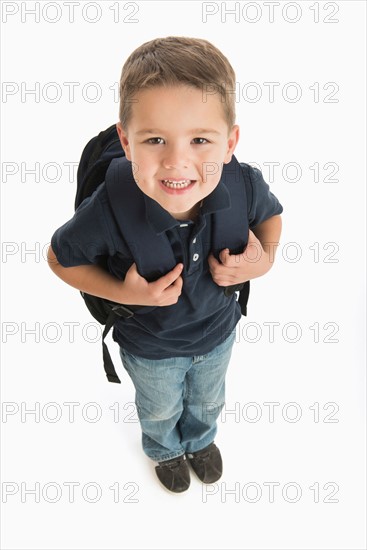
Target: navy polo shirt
{"x": 204, "y": 316}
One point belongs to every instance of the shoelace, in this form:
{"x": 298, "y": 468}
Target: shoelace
{"x": 174, "y": 465}
{"x": 203, "y": 457}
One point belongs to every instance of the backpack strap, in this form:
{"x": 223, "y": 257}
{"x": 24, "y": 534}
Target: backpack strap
{"x": 231, "y": 230}
{"x": 233, "y": 235}
{"x": 107, "y": 313}
{"x": 129, "y": 207}
{"x": 243, "y": 297}
{"x": 115, "y": 313}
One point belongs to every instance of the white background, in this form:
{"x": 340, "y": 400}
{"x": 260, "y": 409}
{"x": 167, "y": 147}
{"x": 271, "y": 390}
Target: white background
{"x": 324, "y": 291}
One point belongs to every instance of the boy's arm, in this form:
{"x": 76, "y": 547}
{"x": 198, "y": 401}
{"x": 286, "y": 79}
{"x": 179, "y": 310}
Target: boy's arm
{"x": 91, "y": 279}
{"x": 134, "y": 290}
{"x": 268, "y": 233}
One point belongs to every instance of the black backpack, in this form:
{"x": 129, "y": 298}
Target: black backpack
{"x": 94, "y": 162}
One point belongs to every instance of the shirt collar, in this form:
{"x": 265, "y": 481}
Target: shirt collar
{"x": 161, "y": 220}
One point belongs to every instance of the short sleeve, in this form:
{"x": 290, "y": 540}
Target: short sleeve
{"x": 86, "y": 237}
{"x": 262, "y": 203}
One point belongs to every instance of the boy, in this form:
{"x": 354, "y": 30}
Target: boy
{"x": 177, "y": 114}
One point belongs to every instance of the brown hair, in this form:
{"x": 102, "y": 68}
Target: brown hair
{"x": 176, "y": 60}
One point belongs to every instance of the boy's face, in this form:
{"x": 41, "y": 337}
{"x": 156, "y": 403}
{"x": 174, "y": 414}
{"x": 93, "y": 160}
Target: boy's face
{"x": 177, "y": 134}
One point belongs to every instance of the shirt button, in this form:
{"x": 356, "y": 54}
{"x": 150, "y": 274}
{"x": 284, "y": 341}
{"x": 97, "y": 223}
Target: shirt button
{"x": 194, "y": 241}
{"x": 195, "y": 257}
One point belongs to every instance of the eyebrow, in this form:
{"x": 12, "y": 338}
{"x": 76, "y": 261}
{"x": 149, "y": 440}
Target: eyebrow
{"x": 194, "y": 131}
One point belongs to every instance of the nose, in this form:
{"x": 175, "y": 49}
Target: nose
{"x": 175, "y": 157}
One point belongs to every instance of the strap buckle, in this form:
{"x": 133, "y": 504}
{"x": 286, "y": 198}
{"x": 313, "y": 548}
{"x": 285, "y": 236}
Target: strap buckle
{"x": 123, "y": 311}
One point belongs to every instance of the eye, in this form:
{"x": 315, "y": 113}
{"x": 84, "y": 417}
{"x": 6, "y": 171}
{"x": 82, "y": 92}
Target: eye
{"x": 152, "y": 142}
{"x": 203, "y": 140}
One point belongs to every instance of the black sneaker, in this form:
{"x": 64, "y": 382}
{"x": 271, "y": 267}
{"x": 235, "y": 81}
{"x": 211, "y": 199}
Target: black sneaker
{"x": 207, "y": 463}
{"x": 174, "y": 474}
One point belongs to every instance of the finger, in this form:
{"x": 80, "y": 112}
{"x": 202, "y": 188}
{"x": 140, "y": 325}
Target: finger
{"x": 212, "y": 260}
{"x": 178, "y": 283}
{"x": 230, "y": 260}
{"x": 166, "y": 281}
{"x": 224, "y": 255}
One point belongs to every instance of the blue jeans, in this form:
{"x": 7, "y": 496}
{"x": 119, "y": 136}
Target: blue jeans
{"x": 179, "y": 399}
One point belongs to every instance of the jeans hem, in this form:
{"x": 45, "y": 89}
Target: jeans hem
{"x": 198, "y": 446}
{"x": 168, "y": 456}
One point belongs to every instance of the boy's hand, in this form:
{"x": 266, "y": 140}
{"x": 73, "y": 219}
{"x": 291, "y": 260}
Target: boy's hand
{"x": 239, "y": 268}
{"x": 165, "y": 291}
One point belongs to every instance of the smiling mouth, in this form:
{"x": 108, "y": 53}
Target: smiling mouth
{"x": 177, "y": 184}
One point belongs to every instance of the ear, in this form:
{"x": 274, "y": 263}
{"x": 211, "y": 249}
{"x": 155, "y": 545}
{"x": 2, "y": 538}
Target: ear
{"x": 232, "y": 141}
{"x": 123, "y": 140}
